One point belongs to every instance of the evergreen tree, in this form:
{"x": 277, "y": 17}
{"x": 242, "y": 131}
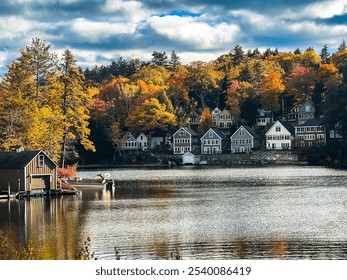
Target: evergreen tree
{"x": 74, "y": 102}
{"x": 238, "y": 54}
{"x": 342, "y": 46}
{"x": 174, "y": 62}
{"x": 160, "y": 59}
{"x": 42, "y": 62}
{"x": 325, "y": 54}
{"x": 297, "y": 51}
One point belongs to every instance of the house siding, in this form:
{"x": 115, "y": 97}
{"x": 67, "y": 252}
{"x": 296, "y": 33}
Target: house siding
{"x": 278, "y": 137}
{"x": 184, "y": 142}
{"x": 13, "y": 178}
{"x": 243, "y": 142}
{"x": 20, "y": 177}
{"x": 48, "y": 169}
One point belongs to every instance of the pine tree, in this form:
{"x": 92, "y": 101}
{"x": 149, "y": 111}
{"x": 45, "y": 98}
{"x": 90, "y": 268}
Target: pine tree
{"x": 42, "y": 61}
{"x": 74, "y": 102}
{"x": 174, "y": 62}
{"x": 238, "y": 55}
{"x": 342, "y": 46}
{"x": 325, "y": 54}
{"x": 160, "y": 59}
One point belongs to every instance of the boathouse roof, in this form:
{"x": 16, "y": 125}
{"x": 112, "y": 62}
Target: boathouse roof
{"x": 13, "y": 160}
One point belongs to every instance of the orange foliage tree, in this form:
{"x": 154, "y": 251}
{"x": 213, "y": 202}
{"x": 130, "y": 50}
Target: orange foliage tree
{"x": 271, "y": 87}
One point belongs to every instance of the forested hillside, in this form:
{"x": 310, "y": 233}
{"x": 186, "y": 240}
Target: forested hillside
{"x": 50, "y": 103}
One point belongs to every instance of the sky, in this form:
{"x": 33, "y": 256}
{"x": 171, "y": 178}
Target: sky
{"x": 99, "y": 31}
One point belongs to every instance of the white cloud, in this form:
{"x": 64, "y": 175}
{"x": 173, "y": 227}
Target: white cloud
{"x": 257, "y": 21}
{"x": 94, "y": 31}
{"x": 10, "y": 24}
{"x": 193, "y": 32}
{"x": 315, "y": 30}
{"x": 321, "y": 10}
{"x": 131, "y": 10}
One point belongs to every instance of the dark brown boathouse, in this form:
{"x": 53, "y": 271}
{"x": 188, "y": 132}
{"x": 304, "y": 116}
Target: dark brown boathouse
{"x": 28, "y": 171}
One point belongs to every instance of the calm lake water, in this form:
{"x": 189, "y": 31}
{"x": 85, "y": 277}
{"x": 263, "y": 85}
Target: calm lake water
{"x": 200, "y": 212}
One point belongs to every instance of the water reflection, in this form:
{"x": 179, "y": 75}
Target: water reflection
{"x": 50, "y": 223}
{"x": 208, "y": 213}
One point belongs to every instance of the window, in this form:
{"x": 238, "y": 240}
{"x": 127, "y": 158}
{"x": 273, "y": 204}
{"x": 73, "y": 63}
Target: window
{"x": 278, "y": 128}
{"x": 40, "y": 161}
{"x": 242, "y": 132}
{"x": 210, "y": 134}
{"x": 307, "y": 108}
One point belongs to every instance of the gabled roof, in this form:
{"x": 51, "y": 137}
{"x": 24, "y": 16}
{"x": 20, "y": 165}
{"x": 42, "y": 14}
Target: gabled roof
{"x": 137, "y": 135}
{"x": 264, "y": 114}
{"x": 287, "y": 125}
{"x": 129, "y": 136}
{"x": 216, "y": 109}
{"x": 312, "y": 122}
{"x": 14, "y": 160}
{"x": 217, "y": 131}
{"x": 189, "y": 154}
{"x": 188, "y": 130}
{"x": 249, "y": 130}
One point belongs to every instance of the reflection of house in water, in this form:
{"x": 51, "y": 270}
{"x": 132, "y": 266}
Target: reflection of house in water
{"x": 47, "y": 222}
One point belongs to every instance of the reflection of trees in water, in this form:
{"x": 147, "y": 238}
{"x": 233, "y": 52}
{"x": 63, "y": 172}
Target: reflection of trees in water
{"x": 137, "y": 189}
{"x": 51, "y": 224}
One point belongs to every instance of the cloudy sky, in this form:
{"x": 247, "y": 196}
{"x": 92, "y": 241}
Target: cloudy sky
{"x": 98, "y": 31}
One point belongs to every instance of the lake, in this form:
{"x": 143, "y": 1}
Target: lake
{"x": 196, "y": 212}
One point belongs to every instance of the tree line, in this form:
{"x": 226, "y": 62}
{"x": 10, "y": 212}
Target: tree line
{"x": 52, "y": 104}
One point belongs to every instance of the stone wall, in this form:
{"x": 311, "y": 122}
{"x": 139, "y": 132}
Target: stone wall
{"x": 257, "y": 157}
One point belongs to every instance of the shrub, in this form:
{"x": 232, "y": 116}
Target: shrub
{"x": 9, "y": 250}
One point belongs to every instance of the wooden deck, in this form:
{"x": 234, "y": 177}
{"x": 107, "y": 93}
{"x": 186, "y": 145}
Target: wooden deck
{"x": 26, "y": 194}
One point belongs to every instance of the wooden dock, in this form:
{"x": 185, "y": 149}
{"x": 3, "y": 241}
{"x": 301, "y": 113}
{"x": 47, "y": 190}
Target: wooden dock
{"x": 28, "y": 194}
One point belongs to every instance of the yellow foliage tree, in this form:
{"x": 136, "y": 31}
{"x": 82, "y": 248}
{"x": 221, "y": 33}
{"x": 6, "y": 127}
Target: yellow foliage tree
{"x": 270, "y": 89}
{"x": 149, "y": 116}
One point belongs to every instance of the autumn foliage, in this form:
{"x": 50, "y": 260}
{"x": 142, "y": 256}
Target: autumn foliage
{"x": 64, "y": 110}
{"x": 67, "y": 173}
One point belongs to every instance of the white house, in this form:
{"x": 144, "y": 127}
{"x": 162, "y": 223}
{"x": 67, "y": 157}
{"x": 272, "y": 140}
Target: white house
{"x": 130, "y": 143}
{"x": 190, "y": 158}
{"x": 280, "y": 136}
{"x": 142, "y": 141}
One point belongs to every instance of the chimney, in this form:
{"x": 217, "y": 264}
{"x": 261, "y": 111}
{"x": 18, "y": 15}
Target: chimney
{"x": 20, "y": 149}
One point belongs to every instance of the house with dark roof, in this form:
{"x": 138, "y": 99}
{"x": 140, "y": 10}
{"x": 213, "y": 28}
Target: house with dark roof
{"x": 311, "y": 133}
{"x": 299, "y": 114}
{"x": 244, "y": 140}
{"x": 213, "y": 142}
{"x": 30, "y": 171}
{"x": 263, "y": 118}
{"x": 185, "y": 140}
{"x": 280, "y": 136}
